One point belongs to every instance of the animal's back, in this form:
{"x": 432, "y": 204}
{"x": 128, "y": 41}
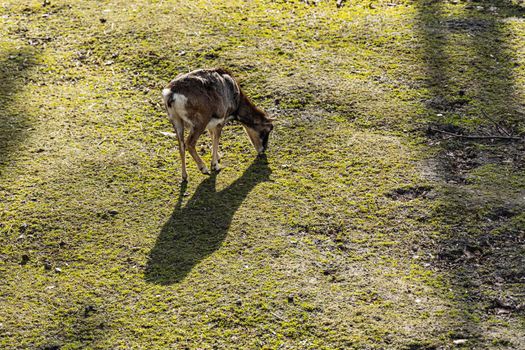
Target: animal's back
{"x": 205, "y": 91}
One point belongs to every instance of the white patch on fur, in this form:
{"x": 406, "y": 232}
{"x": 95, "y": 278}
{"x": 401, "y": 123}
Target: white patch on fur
{"x": 165, "y": 93}
{"x": 214, "y": 122}
{"x": 179, "y": 107}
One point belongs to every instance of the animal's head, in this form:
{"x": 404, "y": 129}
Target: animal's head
{"x": 259, "y": 131}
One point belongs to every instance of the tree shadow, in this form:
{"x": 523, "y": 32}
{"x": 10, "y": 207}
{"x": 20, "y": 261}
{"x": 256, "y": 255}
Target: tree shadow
{"x": 469, "y": 66}
{"x": 14, "y": 66}
{"x": 198, "y": 229}
{"x": 469, "y": 74}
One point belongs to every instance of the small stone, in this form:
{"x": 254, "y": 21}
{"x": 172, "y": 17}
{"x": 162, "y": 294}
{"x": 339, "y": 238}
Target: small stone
{"x": 460, "y": 341}
{"x": 238, "y": 302}
{"x": 88, "y": 310}
{"x": 58, "y": 270}
{"x": 25, "y": 259}
{"x": 502, "y": 311}
{"x": 22, "y": 228}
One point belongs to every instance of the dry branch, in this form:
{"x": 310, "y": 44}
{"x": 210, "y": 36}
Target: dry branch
{"x": 496, "y": 124}
{"x": 477, "y": 137}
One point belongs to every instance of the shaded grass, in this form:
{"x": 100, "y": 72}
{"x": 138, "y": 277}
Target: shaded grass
{"x": 471, "y": 57}
{"x": 15, "y": 124}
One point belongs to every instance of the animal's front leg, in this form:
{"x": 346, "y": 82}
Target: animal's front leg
{"x": 215, "y": 158}
{"x": 191, "y": 142}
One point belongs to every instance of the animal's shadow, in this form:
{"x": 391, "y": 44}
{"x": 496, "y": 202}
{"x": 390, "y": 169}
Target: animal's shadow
{"x": 198, "y": 229}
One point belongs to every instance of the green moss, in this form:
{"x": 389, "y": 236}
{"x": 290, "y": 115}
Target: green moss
{"x": 357, "y": 214}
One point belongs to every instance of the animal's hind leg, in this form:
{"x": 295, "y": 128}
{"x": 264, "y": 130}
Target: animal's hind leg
{"x": 178, "y": 125}
{"x": 191, "y": 142}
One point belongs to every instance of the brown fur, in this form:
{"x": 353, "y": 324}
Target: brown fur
{"x": 213, "y": 97}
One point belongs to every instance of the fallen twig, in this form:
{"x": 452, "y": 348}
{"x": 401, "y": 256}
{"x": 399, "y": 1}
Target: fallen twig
{"x": 316, "y": 2}
{"x": 496, "y": 124}
{"x": 277, "y": 316}
{"x": 477, "y": 137}
{"x": 168, "y": 134}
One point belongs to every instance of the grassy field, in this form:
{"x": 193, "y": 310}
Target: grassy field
{"x": 374, "y": 222}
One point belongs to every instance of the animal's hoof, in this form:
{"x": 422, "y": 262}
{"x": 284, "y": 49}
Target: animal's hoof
{"x": 205, "y": 171}
{"x": 216, "y": 167}
{"x": 184, "y": 180}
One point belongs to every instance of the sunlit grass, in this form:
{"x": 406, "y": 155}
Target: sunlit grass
{"x": 360, "y": 231}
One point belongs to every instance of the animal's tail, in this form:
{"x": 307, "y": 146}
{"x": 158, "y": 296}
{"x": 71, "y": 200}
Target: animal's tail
{"x": 167, "y": 96}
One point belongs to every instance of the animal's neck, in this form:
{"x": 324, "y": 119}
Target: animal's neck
{"x": 246, "y": 112}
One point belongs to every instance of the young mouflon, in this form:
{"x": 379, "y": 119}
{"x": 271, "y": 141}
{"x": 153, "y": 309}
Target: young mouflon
{"x": 207, "y": 99}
